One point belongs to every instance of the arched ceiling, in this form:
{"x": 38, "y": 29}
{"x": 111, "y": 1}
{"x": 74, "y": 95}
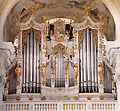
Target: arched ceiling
{"x": 74, "y": 9}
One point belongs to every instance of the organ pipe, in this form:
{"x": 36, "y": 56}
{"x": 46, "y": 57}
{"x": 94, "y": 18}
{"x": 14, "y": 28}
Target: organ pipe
{"x": 31, "y": 64}
{"x": 82, "y": 68}
{"x": 95, "y": 68}
{"x": 88, "y": 63}
{"x": 28, "y": 60}
{"x": 84, "y": 60}
{"x": 88, "y": 59}
{"x": 92, "y": 63}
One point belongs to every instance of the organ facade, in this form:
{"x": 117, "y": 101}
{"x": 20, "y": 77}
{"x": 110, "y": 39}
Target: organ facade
{"x": 61, "y": 59}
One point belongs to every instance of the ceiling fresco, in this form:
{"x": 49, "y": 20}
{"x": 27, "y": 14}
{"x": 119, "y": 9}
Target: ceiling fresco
{"x": 50, "y": 9}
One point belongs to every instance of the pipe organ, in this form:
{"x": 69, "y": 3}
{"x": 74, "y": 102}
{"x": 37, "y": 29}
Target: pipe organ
{"x": 60, "y": 71}
{"x": 31, "y": 64}
{"x": 88, "y": 62}
{"x": 62, "y": 58}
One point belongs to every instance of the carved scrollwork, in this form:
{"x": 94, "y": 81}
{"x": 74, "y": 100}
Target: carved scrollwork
{"x": 80, "y": 37}
{"x": 60, "y": 48}
{"x": 38, "y": 35}
{"x": 25, "y": 33}
{"x": 95, "y": 37}
{"x": 24, "y": 36}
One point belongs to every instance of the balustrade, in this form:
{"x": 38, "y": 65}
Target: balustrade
{"x": 60, "y": 106}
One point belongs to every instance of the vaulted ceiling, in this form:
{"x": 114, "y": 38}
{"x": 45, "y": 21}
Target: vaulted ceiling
{"x": 74, "y": 9}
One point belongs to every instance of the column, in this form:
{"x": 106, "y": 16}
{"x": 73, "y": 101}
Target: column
{"x": 18, "y": 69}
{"x": 100, "y": 63}
{"x": 43, "y": 58}
{"x": 76, "y": 59}
{"x": 76, "y": 74}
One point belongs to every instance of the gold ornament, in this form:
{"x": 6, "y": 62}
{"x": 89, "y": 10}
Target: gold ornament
{"x": 53, "y": 66}
{"x": 76, "y": 73}
{"x": 30, "y": 98}
{"x": 80, "y": 37}
{"x": 101, "y": 72}
{"x": 43, "y": 98}
{"x": 18, "y": 71}
{"x": 43, "y": 69}
{"x": 89, "y": 98}
{"x": 18, "y": 98}
{"x": 76, "y": 98}
{"x": 66, "y": 66}
{"x": 60, "y": 48}
{"x": 101, "y": 97}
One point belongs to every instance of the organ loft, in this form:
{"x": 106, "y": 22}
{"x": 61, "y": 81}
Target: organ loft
{"x": 61, "y": 59}
{"x": 61, "y": 63}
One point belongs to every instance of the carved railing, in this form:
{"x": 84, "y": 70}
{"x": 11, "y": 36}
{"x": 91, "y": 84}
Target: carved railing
{"x": 61, "y": 106}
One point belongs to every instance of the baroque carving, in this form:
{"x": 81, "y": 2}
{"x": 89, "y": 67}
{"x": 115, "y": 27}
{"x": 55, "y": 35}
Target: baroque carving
{"x": 73, "y": 51}
{"x": 53, "y": 66}
{"x": 18, "y": 72}
{"x": 37, "y": 34}
{"x": 80, "y": 37}
{"x": 101, "y": 97}
{"x": 76, "y": 73}
{"x": 43, "y": 71}
{"x": 60, "y": 48}
{"x": 18, "y": 98}
{"x": 101, "y": 72}
{"x": 43, "y": 98}
{"x": 66, "y": 65}
{"x": 95, "y": 37}
{"x": 76, "y": 98}
{"x": 19, "y": 45}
